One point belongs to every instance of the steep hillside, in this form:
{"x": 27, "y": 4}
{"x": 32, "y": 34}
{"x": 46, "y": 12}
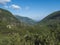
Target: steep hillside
{"x": 8, "y": 17}
{"x": 52, "y": 21}
{"x": 9, "y": 23}
{"x": 55, "y": 16}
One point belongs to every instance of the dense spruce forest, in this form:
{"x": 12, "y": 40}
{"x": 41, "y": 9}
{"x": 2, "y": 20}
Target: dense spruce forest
{"x": 16, "y": 32}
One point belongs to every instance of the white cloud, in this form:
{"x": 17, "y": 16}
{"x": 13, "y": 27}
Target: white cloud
{"x": 4, "y": 1}
{"x": 16, "y": 7}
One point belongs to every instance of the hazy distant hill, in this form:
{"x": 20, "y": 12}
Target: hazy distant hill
{"x": 26, "y": 20}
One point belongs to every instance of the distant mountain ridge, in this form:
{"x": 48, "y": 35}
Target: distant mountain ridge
{"x": 26, "y": 20}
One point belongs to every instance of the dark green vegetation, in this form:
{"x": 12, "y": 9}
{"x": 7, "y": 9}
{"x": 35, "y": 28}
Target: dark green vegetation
{"x": 15, "y": 32}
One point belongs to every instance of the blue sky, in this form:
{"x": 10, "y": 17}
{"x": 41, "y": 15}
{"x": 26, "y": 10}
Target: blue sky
{"x": 35, "y": 9}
